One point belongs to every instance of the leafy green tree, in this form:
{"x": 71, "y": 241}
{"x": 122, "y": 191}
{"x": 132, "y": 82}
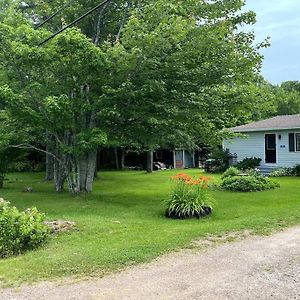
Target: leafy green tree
{"x": 288, "y": 98}
{"x": 291, "y": 86}
{"x": 58, "y": 93}
{"x": 178, "y": 71}
{"x": 154, "y": 74}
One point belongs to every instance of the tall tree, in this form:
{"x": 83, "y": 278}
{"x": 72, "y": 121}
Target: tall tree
{"x": 156, "y": 74}
{"x": 178, "y": 70}
{"x": 56, "y": 90}
{"x": 288, "y": 98}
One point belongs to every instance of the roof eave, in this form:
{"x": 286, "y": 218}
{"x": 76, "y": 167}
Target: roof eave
{"x": 262, "y": 129}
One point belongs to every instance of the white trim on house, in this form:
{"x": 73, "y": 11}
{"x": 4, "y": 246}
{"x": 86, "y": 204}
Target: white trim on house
{"x": 263, "y": 129}
{"x": 174, "y": 158}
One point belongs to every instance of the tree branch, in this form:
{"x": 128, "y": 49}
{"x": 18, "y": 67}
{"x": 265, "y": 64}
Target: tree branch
{"x": 31, "y": 147}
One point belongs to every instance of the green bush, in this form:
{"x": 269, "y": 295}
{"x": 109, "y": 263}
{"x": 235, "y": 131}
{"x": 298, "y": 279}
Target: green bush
{"x": 218, "y": 161}
{"x": 282, "y": 172}
{"x": 232, "y": 171}
{"x": 189, "y": 198}
{"x": 294, "y": 171}
{"x": 20, "y": 231}
{"x": 20, "y": 166}
{"x": 248, "y": 183}
{"x": 248, "y": 163}
{"x": 39, "y": 167}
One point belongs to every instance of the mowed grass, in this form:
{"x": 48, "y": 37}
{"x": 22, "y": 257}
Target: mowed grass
{"x": 122, "y": 222}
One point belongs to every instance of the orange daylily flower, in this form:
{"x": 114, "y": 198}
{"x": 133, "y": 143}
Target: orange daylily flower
{"x": 182, "y": 176}
{"x": 202, "y": 180}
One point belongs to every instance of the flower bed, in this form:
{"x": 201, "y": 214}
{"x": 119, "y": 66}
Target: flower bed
{"x": 189, "y": 197}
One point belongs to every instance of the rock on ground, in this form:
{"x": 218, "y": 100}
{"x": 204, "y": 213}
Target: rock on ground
{"x": 60, "y": 226}
{"x": 254, "y": 268}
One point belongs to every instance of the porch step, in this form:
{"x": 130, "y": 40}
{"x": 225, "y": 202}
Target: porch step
{"x": 266, "y": 170}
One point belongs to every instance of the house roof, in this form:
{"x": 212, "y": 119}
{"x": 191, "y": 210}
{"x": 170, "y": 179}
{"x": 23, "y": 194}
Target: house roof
{"x": 275, "y": 123}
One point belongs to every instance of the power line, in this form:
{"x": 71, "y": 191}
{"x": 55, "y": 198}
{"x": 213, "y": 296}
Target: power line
{"x": 54, "y": 15}
{"x": 74, "y": 22}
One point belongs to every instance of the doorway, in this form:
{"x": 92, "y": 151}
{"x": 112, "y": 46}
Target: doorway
{"x": 270, "y": 149}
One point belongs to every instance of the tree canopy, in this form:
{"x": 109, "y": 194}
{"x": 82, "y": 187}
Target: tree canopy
{"x": 142, "y": 74}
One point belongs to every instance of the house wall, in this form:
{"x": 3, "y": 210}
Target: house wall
{"x": 184, "y": 159}
{"x": 253, "y": 145}
{"x": 188, "y": 160}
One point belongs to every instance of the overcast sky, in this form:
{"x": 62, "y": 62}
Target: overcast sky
{"x": 280, "y": 20}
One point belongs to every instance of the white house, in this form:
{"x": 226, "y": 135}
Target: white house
{"x": 276, "y": 141}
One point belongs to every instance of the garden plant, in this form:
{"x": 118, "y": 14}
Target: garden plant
{"x": 189, "y": 197}
{"x": 249, "y": 181}
{"x": 20, "y": 231}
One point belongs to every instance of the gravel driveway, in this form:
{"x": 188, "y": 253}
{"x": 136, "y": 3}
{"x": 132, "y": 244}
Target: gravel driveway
{"x": 254, "y": 268}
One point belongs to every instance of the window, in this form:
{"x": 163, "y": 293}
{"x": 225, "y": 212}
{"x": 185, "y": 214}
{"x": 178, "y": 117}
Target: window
{"x": 297, "y": 142}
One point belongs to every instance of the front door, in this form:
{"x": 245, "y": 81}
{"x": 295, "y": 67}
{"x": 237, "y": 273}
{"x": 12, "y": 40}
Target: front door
{"x": 270, "y": 148}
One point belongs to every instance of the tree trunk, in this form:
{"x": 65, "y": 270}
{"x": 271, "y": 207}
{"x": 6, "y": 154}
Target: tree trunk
{"x": 49, "y": 167}
{"x": 123, "y": 159}
{"x": 86, "y": 171}
{"x": 96, "y": 171}
{"x": 59, "y": 177}
{"x": 150, "y": 161}
{"x": 99, "y": 24}
{"x": 117, "y": 158}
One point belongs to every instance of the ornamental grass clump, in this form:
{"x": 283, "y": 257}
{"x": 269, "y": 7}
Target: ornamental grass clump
{"x": 189, "y": 197}
{"x": 20, "y": 231}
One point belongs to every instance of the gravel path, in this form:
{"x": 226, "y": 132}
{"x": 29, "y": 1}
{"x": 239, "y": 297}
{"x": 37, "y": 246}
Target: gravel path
{"x": 254, "y": 268}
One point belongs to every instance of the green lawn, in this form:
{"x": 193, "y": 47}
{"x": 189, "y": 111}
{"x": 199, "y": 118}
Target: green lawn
{"x": 122, "y": 222}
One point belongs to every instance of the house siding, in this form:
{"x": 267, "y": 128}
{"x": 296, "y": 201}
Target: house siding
{"x": 252, "y": 144}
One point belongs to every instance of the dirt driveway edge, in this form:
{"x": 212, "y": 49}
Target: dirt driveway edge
{"x": 252, "y": 268}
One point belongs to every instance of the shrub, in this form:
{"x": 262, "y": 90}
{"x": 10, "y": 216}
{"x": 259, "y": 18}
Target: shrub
{"x": 253, "y": 172}
{"x": 248, "y": 183}
{"x": 20, "y": 166}
{"x": 296, "y": 170}
{"x": 281, "y": 172}
{"x": 218, "y": 161}
{"x": 248, "y": 163}
{"x": 20, "y": 231}
{"x": 232, "y": 171}
{"x": 39, "y": 167}
{"x": 189, "y": 198}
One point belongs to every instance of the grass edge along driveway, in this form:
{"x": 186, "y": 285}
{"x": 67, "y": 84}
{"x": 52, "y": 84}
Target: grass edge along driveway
{"x": 122, "y": 222}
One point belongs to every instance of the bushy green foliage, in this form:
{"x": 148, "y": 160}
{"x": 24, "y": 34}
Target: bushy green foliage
{"x": 294, "y": 171}
{"x": 232, "y": 171}
{"x": 25, "y": 166}
{"x": 282, "y": 172}
{"x": 20, "y": 231}
{"x": 218, "y": 161}
{"x": 189, "y": 198}
{"x": 248, "y": 183}
{"x": 253, "y": 172}
{"x": 249, "y": 163}
{"x": 20, "y": 166}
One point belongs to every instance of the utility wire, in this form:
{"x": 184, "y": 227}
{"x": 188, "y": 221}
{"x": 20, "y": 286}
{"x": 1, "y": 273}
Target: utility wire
{"x": 52, "y": 16}
{"x": 74, "y": 22}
